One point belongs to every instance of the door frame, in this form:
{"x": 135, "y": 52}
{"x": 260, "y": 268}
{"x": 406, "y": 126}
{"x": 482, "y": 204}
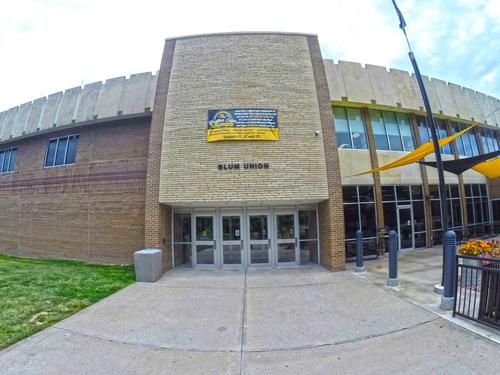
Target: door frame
{"x": 239, "y": 242}
{"x": 406, "y": 207}
{"x": 269, "y": 241}
{"x": 277, "y": 241}
{"x": 195, "y": 242}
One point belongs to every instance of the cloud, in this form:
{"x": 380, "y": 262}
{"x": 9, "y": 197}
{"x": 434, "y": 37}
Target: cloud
{"x": 52, "y": 45}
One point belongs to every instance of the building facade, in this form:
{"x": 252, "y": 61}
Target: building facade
{"x": 98, "y": 172}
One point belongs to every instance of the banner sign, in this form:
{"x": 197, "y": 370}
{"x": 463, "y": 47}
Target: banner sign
{"x": 242, "y": 125}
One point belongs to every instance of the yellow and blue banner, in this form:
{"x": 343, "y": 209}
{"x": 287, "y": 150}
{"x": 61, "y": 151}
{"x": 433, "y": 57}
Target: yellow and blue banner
{"x": 251, "y": 124}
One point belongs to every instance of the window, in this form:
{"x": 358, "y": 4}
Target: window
{"x": 478, "y": 213}
{"x": 425, "y": 132}
{"x": 7, "y": 160}
{"x": 359, "y": 213}
{"x": 182, "y": 239}
{"x": 489, "y": 140}
{"x": 61, "y": 151}
{"x": 392, "y": 131}
{"x": 467, "y": 143}
{"x": 454, "y": 211}
{"x": 349, "y": 128}
{"x": 405, "y": 195}
{"x": 308, "y": 235}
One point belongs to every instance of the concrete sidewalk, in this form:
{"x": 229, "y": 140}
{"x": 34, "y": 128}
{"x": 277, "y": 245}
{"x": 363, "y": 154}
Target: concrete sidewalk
{"x": 419, "y": 270}
{"x": 293, "y": 321}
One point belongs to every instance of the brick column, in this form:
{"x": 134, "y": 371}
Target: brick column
{"x": 331, "y": 211}
{"x": 425, "y": 185}
{"x": 377, "y": 185}
{"x": 158, "y": 217}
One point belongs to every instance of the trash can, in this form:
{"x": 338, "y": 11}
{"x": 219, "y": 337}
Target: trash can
{"x": 147, "y": 265}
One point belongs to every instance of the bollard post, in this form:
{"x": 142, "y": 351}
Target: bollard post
{"x": 393, "y": 279}
{"x": 359, "y": 251}
{"x": 450, "y": 251}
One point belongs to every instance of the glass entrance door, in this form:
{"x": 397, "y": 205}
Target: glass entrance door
{"x": 287, "y": 239}
{"x": 259, "y": 241}
{"x": 231, "y": 241}
{"x": 405, "y": 225}
{"x": 204, "y": 244}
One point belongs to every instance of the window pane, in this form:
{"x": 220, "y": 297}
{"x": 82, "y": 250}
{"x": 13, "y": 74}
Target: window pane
{"x": 12, "y": 163}
{"x": 366, "y": 193}
{"x": 368, "y": 219}
{"x": 434, "y": 191}
{"x": 406, "y": 133}
{"x": 51, "y": 153}
{"x": 4, "y": 161}
{"x": 418, "y": 216}
{"x": 231, "y": 230}
{"x": 388, "y": 193}
{"x": 307, "y": 225}
{"x": 459, "y": 141}
{"x": 416, "y": 192}
{"x": 342, "y": 128}
{"x": 390, "y": 217}
{"x": 379, "y": 130}
{"x": 475, "y": 190}
{"x": 204, "y": 228}
{"x": 478, "y": 211}
{"x": 182, "y": 227}
{"x": 484, "y": 140}
{"x": 456, "y": 211}
{"x": 455, "y": 193}
{"x": 357, "y": 128}
{"x": 350, "y": 194}
{"x": 61, "y": 151}
{"x": 423, "y": 130}
{"x": 436, "y": 214}
{"x": 470, "y": 211}
{"x": 491, "y": 147}
{"x": 486, "y": 211}
{"x": 473, "y": 142}
{"x": 482, "y": 190}
{"x": 468, "y": 190}
{"x": 71, "y": 154}
{"x": 466, "y": 139}
{"x": 351, "y": 220}
{"x": 443, "y": 133}
{"x": 403, "y": 193}
{"x": 393, "y": 131}
{"x": 182, "y": 254}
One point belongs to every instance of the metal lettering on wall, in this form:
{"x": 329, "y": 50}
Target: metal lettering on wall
{"x": 240, "y": 166}
{"x": 242, "y": 125}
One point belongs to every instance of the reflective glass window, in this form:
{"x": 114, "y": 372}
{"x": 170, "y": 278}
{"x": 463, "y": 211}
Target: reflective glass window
{"x": 379, "y": 132}
{"x": 342, "y": 128}
{"x": 393, "y": 133}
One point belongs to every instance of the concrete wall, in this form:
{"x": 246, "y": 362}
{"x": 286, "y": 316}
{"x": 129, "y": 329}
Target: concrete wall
{"x": 242, "y": 71}
{"x": 373, "y": 84}
{"x": 117, "y": 97}
{"x": 353, "y": 162}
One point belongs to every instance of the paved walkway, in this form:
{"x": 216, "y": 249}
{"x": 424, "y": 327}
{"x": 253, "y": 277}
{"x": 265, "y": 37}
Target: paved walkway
{"x": 295, "y": 321}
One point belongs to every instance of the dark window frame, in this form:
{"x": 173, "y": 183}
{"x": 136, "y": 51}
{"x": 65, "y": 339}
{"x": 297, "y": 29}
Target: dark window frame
{"x": 10, "y": 166}
{"x": 57, "y": 140}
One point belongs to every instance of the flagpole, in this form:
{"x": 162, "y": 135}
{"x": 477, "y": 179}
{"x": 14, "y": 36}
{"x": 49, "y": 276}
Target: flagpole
{"x": 432, "y": 126}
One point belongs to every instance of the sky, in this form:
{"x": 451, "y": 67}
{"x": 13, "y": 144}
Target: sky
{"x": 52, "y": 45}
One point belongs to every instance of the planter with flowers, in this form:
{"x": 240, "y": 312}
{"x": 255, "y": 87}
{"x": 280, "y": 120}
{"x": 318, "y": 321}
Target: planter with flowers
{"x": 479, "y": 253}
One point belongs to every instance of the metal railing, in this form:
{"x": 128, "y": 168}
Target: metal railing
{"x": 477, "y": 290}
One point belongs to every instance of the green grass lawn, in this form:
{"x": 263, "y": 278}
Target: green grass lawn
{"x": 36, "y": 293}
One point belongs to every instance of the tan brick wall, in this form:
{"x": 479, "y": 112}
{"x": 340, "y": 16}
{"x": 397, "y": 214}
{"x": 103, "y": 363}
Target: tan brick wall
{"x": 242, "y": 71}
{"x": 158, "y": 217}
{"x": 330, "y": 212}
{"x": 93, "y": 210}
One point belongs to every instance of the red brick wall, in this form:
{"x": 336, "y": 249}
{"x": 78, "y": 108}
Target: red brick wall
{"x": 93, "y": 210}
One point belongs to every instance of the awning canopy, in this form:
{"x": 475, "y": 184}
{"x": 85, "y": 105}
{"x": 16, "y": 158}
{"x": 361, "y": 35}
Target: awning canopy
{"x": 461, "y": 165}
{"x": 416, "y": 155}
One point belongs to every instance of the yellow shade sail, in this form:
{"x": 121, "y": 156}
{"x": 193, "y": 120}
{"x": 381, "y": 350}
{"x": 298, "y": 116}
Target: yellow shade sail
{"x": 418, "y": 154}
{"x": 490, "y": 168}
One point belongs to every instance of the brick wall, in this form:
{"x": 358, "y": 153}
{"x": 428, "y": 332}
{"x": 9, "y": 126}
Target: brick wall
{"x": 93, "y": 210}
{"x": 330, "y": 211}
